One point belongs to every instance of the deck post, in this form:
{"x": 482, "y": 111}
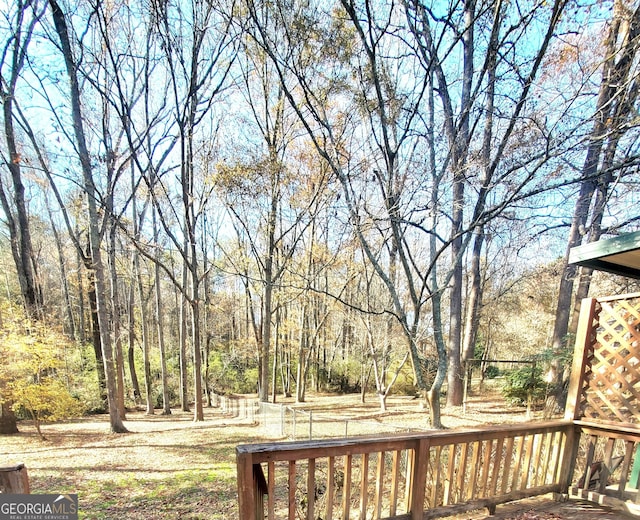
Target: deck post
{"x": 247, "y": 509}
{"x": 583, "y": 345}
{"x": 14, "y": 479}
{"x": 568, "y": 457}
{"x": 418, "y": 478}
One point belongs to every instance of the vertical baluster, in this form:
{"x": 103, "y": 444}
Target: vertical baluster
{"x": 451, "y": 471}
{"x": 559, "y": 443}
{"x": 506, "y": 471}
{"x": 548, "y": 448}
{"x": 516, "y": 469}
{"x": 497, "y": 466}
{"x": 486, "y": 464}
{"x": 408, "y": 487}
{"x": 528, "y": 454}
{"x": 364, "y": 485}
{"x": 395, "y": 471}
{"x": 436, "y": 479}
{"x": 311, "y": 489}
{"x": 589, "y": 462}
{"x": 635, "y": 473}
{"x": 626, "y": 466}
{"x": 330, "y": 486}
{"x": 515, "y": 478}
{"x": 634, "y": 478}
{"x": 472, "y": 481}
{"x": 462, "y": 473}
{"x": 379, "y": 485}
{"x": 346, "y": 491}
{"x": 292, "y": 490}
{"x": 538, "y": 464}
{"x": 605, "y": 470}
{"x": 271, "y": 486}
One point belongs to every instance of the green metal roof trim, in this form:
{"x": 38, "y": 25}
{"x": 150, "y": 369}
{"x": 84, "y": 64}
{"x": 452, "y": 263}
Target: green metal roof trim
{"x": 619, "y": 255}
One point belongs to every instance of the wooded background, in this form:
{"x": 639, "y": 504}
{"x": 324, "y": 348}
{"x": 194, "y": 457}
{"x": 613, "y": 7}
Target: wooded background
{"x": 241, "y": 196}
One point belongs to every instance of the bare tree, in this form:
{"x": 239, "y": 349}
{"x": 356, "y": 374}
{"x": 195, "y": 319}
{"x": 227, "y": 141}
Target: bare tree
{"x": 616, "y": 100}
{"x": 257, "y": 193}
{"x": 388, "y": 111}
{"x": 95, "y": 231}
{"x": 199, "y": 54}
{"x": 382, "y": 47}
{"x": 23, "y": 18}
{"x": 435, "y": 49}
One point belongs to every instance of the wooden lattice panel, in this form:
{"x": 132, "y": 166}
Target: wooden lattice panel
{"x": 612, "y": 391}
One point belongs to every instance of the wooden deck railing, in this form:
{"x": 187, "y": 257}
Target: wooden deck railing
{"x": 14, "y": 479}
{"x": 594, "y": 453}
{"x": 607, "y": 465}
{"x": 407, "y": 476}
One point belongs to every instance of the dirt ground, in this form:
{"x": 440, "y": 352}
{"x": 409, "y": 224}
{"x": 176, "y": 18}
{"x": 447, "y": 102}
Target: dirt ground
{"x": 169, "y": 467}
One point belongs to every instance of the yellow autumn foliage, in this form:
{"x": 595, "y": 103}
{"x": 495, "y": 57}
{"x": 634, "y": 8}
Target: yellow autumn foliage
{"x": 32, "y": 371}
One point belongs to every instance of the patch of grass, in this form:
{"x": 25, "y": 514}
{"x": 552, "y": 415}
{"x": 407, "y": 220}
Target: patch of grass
{"x": 201, "y": 493}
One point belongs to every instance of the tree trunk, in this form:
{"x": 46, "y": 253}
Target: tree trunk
{"x": 190, "y": 260}
{"x": 8, "y": 422}
{"x": 183, "y": 332}
{"x": 80, "y": 283}
{"x": 266, "y": 333}
{"x": 474, "y": 300}
{"x": 132, "y": 341}
{"x": 433, "y": 399}
{"x": 116, "y": 316}
{"x": 458, "y": 143}
{"x": 166, "y": 402}
{"x": 612, "y": 110}
{"x": 207, "y": 317}
{"x": 455, "y": 373}
{"x": 120, "y": 373}
{"x": 268, "y": 292}
{"x": 144, "y": 323}
{"x": 276, "y": 355}
{"x": 70, "y": 323}
{"x": 285, "y": 353}
{"x": 433, "y": 394}
{"x": 594, "y": 235}
{"x": 197, "y": 360}
{"x": 96, "y": 341}
{"x": 565, "y": 291}
{"x": 20, "y": 231}
{"x": 595, "y": 228}
{"x": 302, "y": 348}
{"x": 131, "y": 360}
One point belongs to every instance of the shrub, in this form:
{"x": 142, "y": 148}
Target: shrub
{"x": 228, "y": 372}
{"x": 33, "y": 371}
{"x": 523, "y": 384}
{"x": 491, "y": 372}
{"x": 45, "y": 400}
{"x": 159, "y": 398}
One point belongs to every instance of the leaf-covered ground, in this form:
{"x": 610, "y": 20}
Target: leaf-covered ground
{"x": 169, "y": 467}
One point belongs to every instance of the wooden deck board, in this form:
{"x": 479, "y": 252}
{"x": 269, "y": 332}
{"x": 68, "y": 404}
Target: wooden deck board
{"x": 544, "y": 507}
